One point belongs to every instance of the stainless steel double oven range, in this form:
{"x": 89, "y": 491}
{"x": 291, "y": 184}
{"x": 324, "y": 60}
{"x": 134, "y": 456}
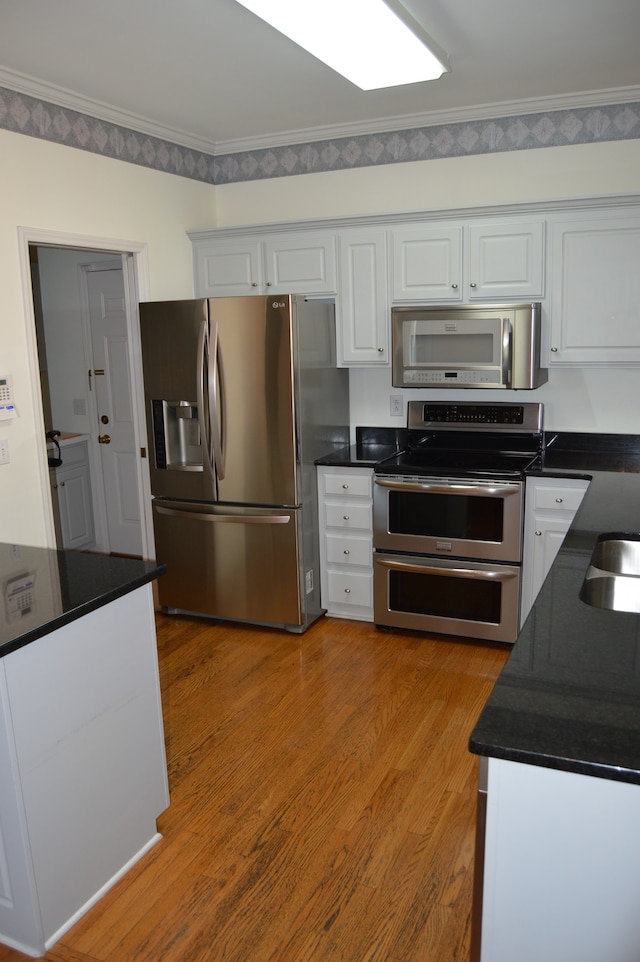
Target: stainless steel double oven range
{"x": 448, "y": 519}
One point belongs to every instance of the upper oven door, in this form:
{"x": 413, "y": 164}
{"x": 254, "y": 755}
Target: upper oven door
{"x": 465, "y": 519}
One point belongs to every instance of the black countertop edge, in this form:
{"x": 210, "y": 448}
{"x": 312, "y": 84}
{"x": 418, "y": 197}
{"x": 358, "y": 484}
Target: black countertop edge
{"x": 67, "y": 586}
{"x": 574, "y": 765}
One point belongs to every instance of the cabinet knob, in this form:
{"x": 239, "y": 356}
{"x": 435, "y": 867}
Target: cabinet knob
{"x": 269, "y": 283}
{"x": 472, "y": 284}
{"x": 62, "y": 484}
{"x": 559, "y": 500}
{"x": 554, "y": 350}
{"x": 538, "y": 534}
{"x": 455, "y": 287}
{"x": 346, "y": 551}
{"x": 254, "y": 283}
{"x": 380, "y": 350}
{"x": 347, "y": 591}
{"x": 345, "y": 486}
{"x": 345, "y": 517}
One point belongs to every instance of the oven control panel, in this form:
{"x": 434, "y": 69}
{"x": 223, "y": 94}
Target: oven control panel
{"x": 468, "y": 415}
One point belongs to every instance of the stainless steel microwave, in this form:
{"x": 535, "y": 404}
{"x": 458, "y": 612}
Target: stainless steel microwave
{"x": 488, "y": 346}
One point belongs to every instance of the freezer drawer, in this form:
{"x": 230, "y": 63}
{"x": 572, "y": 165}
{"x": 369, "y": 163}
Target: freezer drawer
{"x": 230, "y": 562}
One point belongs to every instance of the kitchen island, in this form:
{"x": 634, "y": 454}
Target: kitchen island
{"x": 82, "y": 763}
{"x": 558, "y": 856}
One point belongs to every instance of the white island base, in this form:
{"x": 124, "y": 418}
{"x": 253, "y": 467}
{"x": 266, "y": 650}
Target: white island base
{"x": 561, "y": 867}
{"x": 82, "y": 767}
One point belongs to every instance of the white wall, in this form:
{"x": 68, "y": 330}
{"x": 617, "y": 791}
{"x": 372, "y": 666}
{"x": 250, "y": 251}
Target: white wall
{"x": 49, "y": 187}
{"x": 587, "y": 400}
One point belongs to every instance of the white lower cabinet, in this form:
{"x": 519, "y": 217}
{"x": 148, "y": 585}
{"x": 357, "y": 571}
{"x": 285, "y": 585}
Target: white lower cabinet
{"x": 346, "y": 541}
{"x": 550, "y": 506}
{"x": 71, "y": 484}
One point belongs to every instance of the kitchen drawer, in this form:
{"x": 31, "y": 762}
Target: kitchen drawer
{"x": 559, "y": 497}
{"x": 348, "y": 485}
{"x": 349, "y": 551}
{"x": 352, "y": 589}
{"x": 348, "y": 516}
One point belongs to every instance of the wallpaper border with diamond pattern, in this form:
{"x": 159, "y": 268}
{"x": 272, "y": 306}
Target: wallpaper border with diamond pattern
{"x": 33, "y": 117}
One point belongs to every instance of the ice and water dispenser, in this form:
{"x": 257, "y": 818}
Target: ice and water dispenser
{"x": 177, "y": 438}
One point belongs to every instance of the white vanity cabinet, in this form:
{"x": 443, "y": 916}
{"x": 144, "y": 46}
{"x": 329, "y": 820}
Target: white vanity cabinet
{"x": 467, "y": 262}
{"x": 346, "y": 541}
{"x": 550, "y": 506}
{"x": 595, "y": 289}
{"x": 362, "y": 307}
{"x": 302, "y": 262}
{"x": 71, "y": 488}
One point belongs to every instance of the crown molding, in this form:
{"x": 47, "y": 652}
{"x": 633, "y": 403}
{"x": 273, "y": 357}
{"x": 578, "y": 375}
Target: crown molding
{"x": 68, "y": 99}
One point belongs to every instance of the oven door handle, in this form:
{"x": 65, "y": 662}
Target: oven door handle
{"x": 466, "y": 573}
{"x": 482, "y": 489}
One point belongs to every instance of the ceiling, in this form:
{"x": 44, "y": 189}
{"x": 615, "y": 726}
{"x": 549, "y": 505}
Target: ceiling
{"x": 210, "y": 75}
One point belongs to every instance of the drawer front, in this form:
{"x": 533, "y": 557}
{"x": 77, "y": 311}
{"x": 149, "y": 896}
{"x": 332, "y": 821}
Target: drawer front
{"x": 559, "y": 498}
{"x": 350, "y": 588}
{"x": 349, "y": 516}
{"x": 349, "y": 551}
{"x": 348, "y": 485}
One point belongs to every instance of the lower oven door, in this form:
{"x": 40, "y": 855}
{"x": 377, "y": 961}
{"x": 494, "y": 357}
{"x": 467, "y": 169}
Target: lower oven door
{"x": 452, "y": 597}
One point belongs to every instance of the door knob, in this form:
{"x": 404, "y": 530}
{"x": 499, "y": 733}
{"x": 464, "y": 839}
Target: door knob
{"x": 104, "y": 439}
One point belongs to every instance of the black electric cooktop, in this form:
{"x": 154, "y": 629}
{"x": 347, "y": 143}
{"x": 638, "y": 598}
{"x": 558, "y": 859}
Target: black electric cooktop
{"x": 468, "y": 440}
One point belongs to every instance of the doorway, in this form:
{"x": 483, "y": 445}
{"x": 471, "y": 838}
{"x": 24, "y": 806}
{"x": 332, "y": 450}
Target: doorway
{"x": 85, "y": 313}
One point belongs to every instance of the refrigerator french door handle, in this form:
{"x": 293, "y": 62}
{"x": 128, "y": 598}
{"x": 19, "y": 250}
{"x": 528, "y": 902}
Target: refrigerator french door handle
{"x": 214, "y": 387}
{"x": 224, "y": 518}
{"x": 203, "y": 413}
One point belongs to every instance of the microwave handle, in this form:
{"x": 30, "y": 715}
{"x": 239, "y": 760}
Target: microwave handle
{"x": 467, "y": 573}
{"x": 507, "y": 348}
{"x": 437, "y": 487}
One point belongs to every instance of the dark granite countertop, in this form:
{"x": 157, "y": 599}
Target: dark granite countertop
{"x": 569, "y": 695}
{"x": 45, "y": 589}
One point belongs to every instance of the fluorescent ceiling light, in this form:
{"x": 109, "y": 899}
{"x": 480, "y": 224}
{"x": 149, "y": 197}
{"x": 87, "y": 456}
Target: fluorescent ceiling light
{"x": 364, "y": 40}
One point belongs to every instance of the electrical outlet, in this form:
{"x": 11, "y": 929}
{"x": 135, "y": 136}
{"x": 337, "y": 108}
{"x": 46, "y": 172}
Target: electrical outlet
{"x": 4, "y": 451}
{"x": 395, "y": 405}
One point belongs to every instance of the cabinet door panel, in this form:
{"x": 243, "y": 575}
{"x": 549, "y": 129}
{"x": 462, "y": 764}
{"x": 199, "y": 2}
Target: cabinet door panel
{"x": 506, "y": 260}
{"x": 362, "y": 308}
{"x": 427, "y": 264}
{"x": 227, "y": 271}
{"x": 596, "y": 292}
{"x": 301, "y": 264}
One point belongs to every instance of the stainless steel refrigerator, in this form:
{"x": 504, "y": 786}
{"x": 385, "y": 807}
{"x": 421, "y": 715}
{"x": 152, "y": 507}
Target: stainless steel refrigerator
{"x": 242, "y": 395}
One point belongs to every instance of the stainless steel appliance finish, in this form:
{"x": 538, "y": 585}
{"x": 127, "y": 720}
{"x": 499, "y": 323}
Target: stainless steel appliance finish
{"x": 488, "y": 346}
{"x": 242, "y": 396}
{"x": 448, "y": 519}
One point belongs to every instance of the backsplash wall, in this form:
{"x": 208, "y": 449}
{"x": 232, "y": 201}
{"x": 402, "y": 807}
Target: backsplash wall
{"x": 593, "y": 400}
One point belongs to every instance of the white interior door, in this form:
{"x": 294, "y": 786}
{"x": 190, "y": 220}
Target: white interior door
{"x": 111, "y": 385}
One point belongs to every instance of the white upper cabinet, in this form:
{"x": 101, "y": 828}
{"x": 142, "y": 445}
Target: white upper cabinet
{"x": 287, "y": 263}
{"x": 505, "y": 260}
{"x": 502, "y": 259}
{"x": 362, "y": 306}
{"x": 595, "y": 290}
{"x": 427, "y": 263}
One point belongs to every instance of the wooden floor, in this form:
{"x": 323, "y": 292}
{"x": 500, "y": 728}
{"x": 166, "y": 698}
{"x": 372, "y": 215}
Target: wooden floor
{"x": 322, "y": 801}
